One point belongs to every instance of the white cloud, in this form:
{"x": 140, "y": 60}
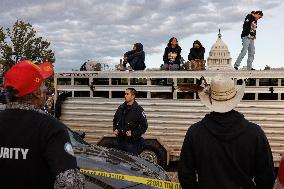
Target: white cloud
{"x": 89, "y": 29}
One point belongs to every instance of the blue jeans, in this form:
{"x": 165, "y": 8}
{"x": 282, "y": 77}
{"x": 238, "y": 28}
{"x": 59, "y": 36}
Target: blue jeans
{"x": 170, "y": 67}
{"x": 248, "y": 46}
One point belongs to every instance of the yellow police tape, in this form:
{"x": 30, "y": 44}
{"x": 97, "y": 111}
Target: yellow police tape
{"x": 142, "y": 180}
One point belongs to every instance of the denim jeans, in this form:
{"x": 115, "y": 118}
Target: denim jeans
{"x": 248, "y": 46}
{"x": 170, "y": 67}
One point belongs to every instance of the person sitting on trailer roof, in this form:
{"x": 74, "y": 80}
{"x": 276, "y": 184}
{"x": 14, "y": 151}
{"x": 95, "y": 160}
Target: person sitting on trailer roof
{"x": 196, "y": 52}
{"x": 196, "y": 56}
{"x": 172, "y": 55}
{"x": 135, "y": 57}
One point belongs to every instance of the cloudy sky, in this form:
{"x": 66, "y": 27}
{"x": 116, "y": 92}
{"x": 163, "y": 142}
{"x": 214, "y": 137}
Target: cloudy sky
{"x": 104, "y": 30}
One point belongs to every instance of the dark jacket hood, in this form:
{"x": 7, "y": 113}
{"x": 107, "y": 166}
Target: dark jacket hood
{"x": 139, "y": 47}
{"x": 225, "y": 126}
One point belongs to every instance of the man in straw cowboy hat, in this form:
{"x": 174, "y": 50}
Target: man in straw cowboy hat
{"x": 224, "y": 150}
{"x": 35, "y": 149}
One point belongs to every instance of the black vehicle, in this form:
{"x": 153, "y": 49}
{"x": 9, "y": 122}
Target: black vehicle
{"x": 93, "y": 157}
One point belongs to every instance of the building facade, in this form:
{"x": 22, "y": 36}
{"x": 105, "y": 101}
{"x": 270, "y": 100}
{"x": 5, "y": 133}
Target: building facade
{"x": 219, "y": 56}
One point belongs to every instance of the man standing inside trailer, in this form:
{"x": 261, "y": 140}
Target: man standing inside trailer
{"x": 129, "y": 123}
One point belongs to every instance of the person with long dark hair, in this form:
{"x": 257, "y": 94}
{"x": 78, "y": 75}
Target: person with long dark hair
{"x": 172, "y": 55}
{"x": 197, "y": 51}
{"x": 196, "y": 56}
{"x": 248, "y": 36}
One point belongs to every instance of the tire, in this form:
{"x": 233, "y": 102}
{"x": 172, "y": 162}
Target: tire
{"x": 154, "y": 153}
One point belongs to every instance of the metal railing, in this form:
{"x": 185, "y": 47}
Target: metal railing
{"x": 146, "y": 81}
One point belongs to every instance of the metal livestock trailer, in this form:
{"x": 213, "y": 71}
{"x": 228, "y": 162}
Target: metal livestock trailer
{"x": 94, "y": 97}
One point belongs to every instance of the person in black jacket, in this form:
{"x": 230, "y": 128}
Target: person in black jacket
{"x": 135, "y": 57}
{"x": 224, "y": 150}
{"x": 172, "y": 55}
{"x": 129, "y": 123}
{"x": 197, "y": 51}
{"x": 248, "y": 36}
{"x": 196, "y": 56}
{"x": 35, "y": 148}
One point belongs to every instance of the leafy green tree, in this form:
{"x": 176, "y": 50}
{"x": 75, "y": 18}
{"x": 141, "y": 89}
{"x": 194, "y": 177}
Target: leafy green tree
{"x": 20, "y": 42}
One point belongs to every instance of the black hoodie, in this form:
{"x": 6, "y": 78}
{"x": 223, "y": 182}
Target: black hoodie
{"x": 247, "y": 26}
{"x": 226, "y": 151}
{"x": 196, "y": 53}
{"x": 172, "y": 55}
{"x": 136, "y": 58}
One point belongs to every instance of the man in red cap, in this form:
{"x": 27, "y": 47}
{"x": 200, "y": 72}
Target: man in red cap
{"x": 35, "y": 148}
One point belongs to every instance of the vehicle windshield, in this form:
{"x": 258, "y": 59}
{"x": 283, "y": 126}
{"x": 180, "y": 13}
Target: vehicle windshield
{"x": 76, "y": 140}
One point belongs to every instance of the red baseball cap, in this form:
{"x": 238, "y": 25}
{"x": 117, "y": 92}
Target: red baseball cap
{"x": 26, "y": 77}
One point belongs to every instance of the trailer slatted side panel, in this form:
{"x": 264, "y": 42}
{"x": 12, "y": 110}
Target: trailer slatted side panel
{"x": 169, "y": 119}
